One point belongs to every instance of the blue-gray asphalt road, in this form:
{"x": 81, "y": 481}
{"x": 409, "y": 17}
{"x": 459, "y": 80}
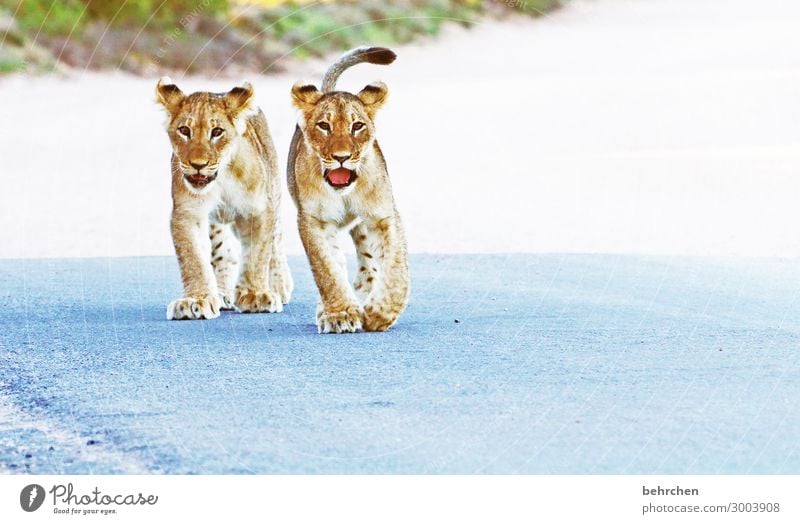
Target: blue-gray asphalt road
{"x": 501, "y": 364}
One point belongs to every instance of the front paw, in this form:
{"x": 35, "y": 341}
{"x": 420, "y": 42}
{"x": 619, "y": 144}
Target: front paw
{"x": 347, "y": 320}
{"x": 281, "y": 282}
{"x": 376, "y": 319}
{"x": 226, "y": 301}
{"x": 251, "y": 301}
{"x": 190, "y": 308}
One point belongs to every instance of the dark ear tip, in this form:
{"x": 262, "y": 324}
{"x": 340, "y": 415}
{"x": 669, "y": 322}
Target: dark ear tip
{"x": 166, "y": 83}
{"x": 308, "y": 88}
{"x": 246, "y": 89}
{"x": 169, "y": 88}
{"x": 167, "y": 93}
{"x": 376, "y": 88}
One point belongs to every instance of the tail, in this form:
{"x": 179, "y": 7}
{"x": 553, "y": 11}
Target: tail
{"x": 373, "y": 55}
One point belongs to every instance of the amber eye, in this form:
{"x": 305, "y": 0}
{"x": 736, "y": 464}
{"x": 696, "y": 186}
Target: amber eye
{"x": 185, "y": 131}
{"x": 324, "y": 126}
{"x": 357, "y": 125}
{"x": 217, "y": 131}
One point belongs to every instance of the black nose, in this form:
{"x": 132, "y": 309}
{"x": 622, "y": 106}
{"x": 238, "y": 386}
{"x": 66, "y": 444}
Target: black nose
{"x": 198, "y": 166}
{"x": 341, "y": 158}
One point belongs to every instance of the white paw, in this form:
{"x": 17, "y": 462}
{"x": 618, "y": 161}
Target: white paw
{"x": 347, "y": 320}
{"x": 281, "y": 282}
{"x": 189, "y": 308}
{"x": 226, "y": 301}
{"x": 250, "y": 301}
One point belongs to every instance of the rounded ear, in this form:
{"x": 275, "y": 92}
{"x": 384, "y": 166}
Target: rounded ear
{"x": 239, "y": 98}
{"x": 168, "y": 94}
{"x": 373, "y": 96}
{"x": 305, "y": 96}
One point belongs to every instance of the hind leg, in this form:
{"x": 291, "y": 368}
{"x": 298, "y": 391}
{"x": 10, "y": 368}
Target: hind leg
{"x": 253, "y": 293}
{"x": 280, "y": 277}
{"x": 225, "y": 261}
{"x": 367, "y": 270}
{"x": 383, "y": 273}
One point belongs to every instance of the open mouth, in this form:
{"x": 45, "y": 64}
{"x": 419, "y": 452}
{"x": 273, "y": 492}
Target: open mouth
{"x": 340, "y": 177}
{"x": 199, "y": 181}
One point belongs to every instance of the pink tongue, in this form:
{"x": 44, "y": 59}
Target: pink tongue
{"x": 339, "y": 176}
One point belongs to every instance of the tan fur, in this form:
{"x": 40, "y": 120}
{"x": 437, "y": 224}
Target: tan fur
{"x": 238, "y": 198}
{"x": 366, "y": 208}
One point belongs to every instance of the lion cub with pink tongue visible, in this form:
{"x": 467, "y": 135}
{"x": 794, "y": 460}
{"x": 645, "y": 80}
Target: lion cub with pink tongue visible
{"x": 338, "y": 181}
{"x": 225, "y": 183}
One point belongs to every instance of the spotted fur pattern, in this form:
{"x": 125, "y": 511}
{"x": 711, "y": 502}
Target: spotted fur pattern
{"x": 225, "y": 252}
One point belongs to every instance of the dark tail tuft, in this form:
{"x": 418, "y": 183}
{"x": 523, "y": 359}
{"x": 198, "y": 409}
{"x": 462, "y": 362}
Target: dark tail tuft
{"x": 372, "y": 55}
{"x": 379, "y": 55}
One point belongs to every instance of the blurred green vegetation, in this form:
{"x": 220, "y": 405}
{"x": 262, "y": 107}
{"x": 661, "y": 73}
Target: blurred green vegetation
{"x": 139, "y": 12}
{"x": 315, "y": 31}
{"x": 11, "y": 64}
{"x": 62, "y": 17}
{"x": 315, "y": 28}
{"x": 199, "y": 36}
{"x": 50, "y": 16}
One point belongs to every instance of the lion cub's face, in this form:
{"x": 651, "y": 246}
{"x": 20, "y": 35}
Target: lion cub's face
{"x": 203, "y": 128}
{"x": 339, "y": 128}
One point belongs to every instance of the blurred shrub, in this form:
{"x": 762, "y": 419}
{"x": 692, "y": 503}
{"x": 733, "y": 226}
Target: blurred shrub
{"x": 49, "y": 16}
{"x": 197, "y": 36}
{"x": 61, "y": 17}
{"x": 130, "y": 12}
{"x": 318, "y": 29}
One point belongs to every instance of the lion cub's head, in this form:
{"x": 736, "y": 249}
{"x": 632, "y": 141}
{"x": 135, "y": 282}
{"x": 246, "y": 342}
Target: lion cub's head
{"x": 339, "y": 127}
{"x": 204, "y": 128}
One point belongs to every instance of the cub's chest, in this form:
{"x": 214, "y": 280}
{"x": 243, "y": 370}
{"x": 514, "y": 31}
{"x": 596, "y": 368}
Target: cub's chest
{"x": 328, "y": 207}
{"x": 236, "y": 196}
{"x": 342, "y": 206}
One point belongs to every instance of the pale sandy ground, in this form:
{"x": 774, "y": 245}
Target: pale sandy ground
{"x": 616, "y": 126}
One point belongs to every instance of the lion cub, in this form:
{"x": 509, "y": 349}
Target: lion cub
{"x": 338, "y": 181}
{"x": 224, "y": 183}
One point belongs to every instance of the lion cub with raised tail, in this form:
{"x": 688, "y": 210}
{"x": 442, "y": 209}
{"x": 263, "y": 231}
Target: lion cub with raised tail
{"x": 225, "y": 183}
{"x": 338, "y": 181}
